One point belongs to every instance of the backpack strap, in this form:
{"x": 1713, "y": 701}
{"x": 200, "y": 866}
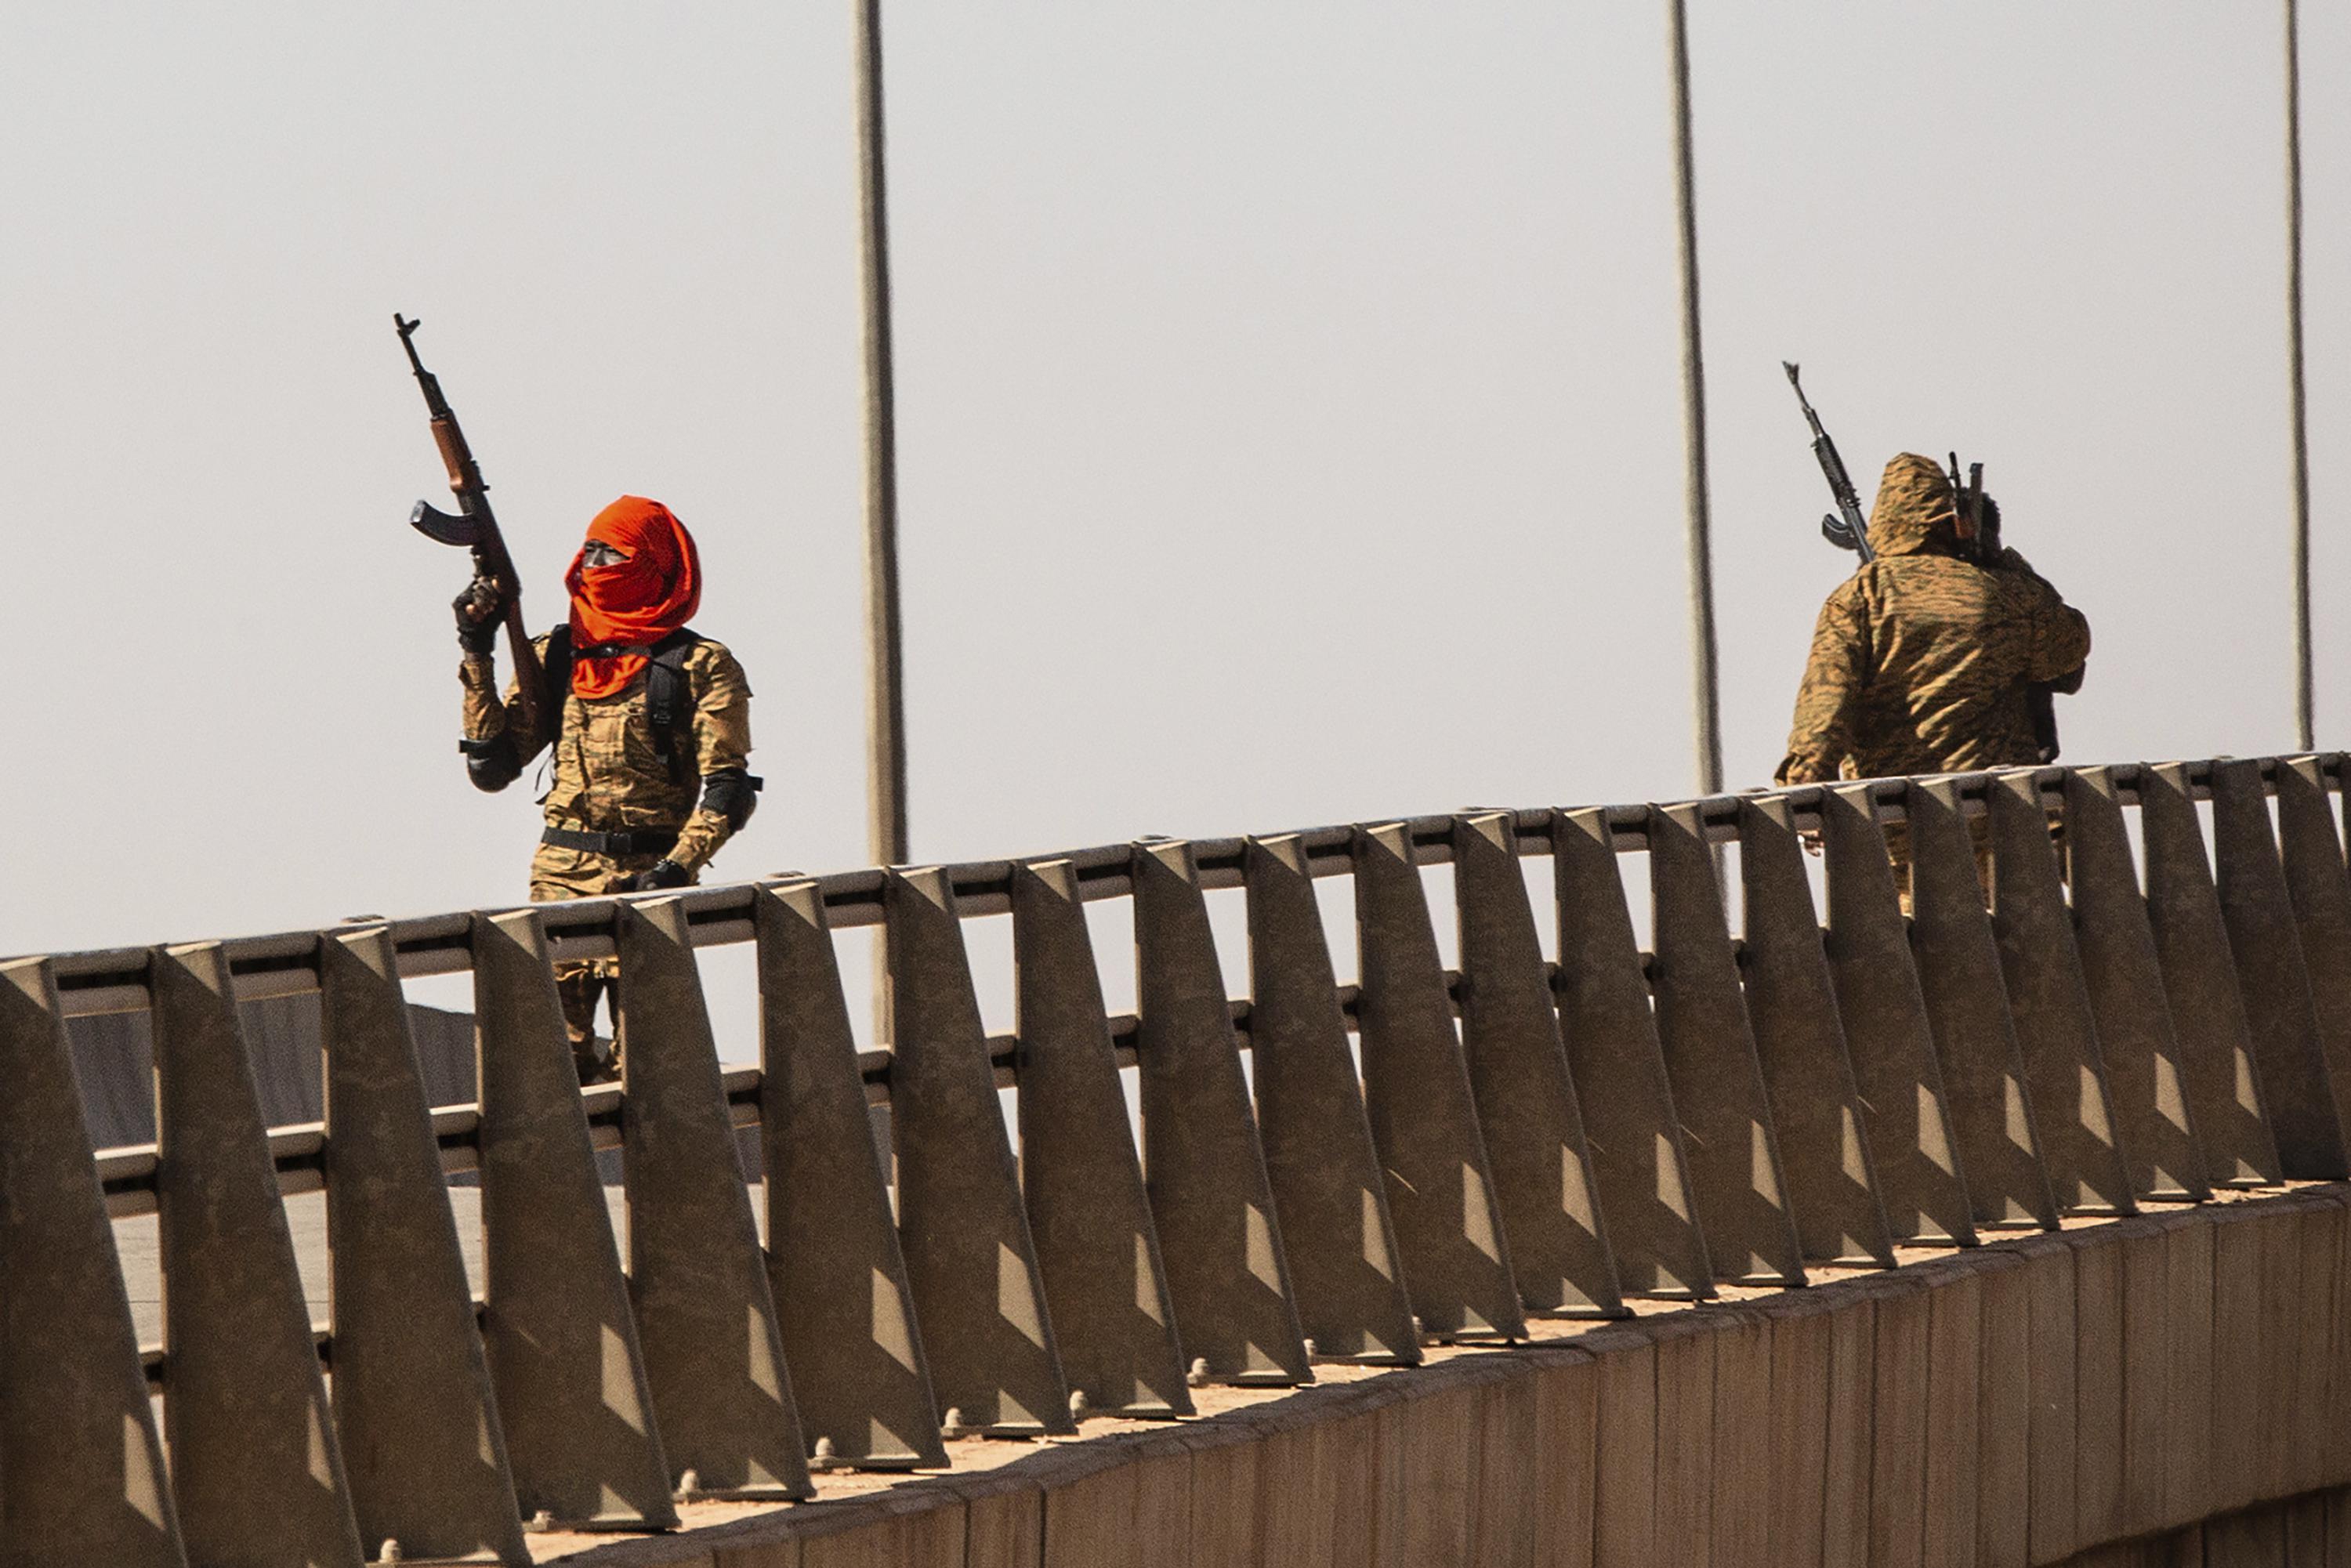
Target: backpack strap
{"x": 669, "y": 705}
{"x": 556, "y": 663}
{"x": 669, "y": 702}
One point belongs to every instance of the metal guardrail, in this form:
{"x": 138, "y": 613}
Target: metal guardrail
{"x": 1616, "y": 1124}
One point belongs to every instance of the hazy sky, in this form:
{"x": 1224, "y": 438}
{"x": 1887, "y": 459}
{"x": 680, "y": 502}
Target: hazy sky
{"x": 1289, "y": 423}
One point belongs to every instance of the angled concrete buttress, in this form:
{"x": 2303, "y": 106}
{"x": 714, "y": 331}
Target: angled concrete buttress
{"x": 2274, "y": 977}
{"x": 977, "y": 1293}
{"x": 1912, "y": 1145}
{"x": 1088, "y": 1213}
{"x": 1619, "y": 1070}
{"x": 81, "y": 1471}
{"x": 705, "y": 1318}
{"x": 2320, "y": 891}
{"x": 1800, "y": 1040}
{"x": 1967, "y": 1006}
{"x": 1527, "y": 1107}
{"x": 557, "y": 1324}
{"x": 1710, "y": 1057}
{"x": 2200, "y": 982}
{"x": 2049, "y": 1003}
{"x": 2145, "y": 1071}
{"x": 423, "y": 1447}
{"x": 254, "y": 1466}
{"x": 859, "y": 1378}
{"x": 1318, "y": 1159}
{"x": 1203, "y": 1166}
{"x": 1424, "y": 1116}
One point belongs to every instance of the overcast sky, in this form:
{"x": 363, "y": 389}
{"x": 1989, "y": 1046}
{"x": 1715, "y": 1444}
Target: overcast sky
{"x": 1290, "y": 424}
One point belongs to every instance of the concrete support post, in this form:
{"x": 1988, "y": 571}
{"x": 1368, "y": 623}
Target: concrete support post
{"x": 425, "y": 1451}
{"x": 84, "y": 1467}
{"x": 859, "y": 1378}
{"x": 1204, "y": 1165}
{"x": 1639, "y": 1163}
{"x": 697, "y": 1276}
{"x": 977, "y": 1290}
{"x": 2146, "y": 1078}
{"x": 1711, "y": 1061}
{"x": 1518, "y": 1072}
{"x": 557, "y": 1324}
{"x": 1318, "y": 1159}
{"x": 1089, "y": 1217}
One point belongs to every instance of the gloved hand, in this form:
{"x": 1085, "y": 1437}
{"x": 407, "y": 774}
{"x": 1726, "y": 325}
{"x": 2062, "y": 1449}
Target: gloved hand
{"x": 478, "y": 611}
{"x": 661, "y": 874}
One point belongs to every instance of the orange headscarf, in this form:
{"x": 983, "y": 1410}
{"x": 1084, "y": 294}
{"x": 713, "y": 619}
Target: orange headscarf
{"x": 639, "y": 601}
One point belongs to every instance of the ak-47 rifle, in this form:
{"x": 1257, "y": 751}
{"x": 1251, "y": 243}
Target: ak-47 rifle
{"x": 1980, "y": 536}
{"x": 1845, "y": 528}
{"x": 1981, "y": 542}
{"x": 475, "y": 528}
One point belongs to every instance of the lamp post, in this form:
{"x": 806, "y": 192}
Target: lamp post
{"x": 1705, "y": 669}
{"x": 885, "y": 707}
{"x": 2304, "y": 704}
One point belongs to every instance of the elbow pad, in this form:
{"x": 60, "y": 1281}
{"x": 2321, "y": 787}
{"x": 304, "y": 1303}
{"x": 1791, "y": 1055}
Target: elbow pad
{"x": 491, "y": 764}
{"x": 733, "y": 794}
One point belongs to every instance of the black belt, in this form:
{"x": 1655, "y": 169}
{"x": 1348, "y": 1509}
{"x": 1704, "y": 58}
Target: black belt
{"x": 620, "y": 846}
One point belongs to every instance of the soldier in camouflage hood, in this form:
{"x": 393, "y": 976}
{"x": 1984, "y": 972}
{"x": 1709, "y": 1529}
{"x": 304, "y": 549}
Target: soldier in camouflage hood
{"x": 1921, "y": 659}
{"x": 650, "y": 725}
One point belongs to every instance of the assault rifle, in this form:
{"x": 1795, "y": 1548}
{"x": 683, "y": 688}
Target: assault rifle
{"x": 1845, "y": 528}
{"x": 474, "y": 527}
{"x": 1979, "y": 536}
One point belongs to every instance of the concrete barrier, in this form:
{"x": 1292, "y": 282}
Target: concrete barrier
{"x": 2066, "y": 1357}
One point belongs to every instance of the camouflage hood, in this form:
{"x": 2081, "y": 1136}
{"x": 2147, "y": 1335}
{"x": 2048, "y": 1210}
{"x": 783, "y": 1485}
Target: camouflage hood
{"x": 1915, "y": 514}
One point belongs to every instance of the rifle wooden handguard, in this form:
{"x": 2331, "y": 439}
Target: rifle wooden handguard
{"x": 453, "y": 456}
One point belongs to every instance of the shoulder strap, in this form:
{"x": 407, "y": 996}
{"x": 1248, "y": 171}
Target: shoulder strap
{"x": 557, "y": 664}
{"x": 668, "y": 706}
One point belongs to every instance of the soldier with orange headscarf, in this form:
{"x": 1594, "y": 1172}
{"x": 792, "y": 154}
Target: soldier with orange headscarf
{"x": 649, "y": 724}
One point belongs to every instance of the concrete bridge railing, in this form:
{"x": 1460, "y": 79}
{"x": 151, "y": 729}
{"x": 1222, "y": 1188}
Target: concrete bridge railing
{"x": 1520, "y": 1144}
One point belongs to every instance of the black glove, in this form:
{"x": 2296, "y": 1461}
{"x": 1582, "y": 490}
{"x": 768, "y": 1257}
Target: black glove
{"x": 660, "y": 874}
{"x": 478, "y": 611}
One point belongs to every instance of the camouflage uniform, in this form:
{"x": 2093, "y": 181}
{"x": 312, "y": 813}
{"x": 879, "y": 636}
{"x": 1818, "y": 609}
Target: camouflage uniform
{"x": 1921, "y": 659}
{"x": 608, "y": 780}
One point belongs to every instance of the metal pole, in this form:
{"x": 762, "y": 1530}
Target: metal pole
{"x": 1701, "y": 563}
{"x": 2303, "y": 717}
{"x": 885, "y": 710}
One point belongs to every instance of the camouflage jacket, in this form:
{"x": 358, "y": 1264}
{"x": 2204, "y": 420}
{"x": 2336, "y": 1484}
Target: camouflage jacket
{"x": 1921, "y": 659}
{"x": 606, "y": 776}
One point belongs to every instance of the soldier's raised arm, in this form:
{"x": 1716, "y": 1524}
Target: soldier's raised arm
{"x": 498, "y": 737}
{"x": 722, "y": 750}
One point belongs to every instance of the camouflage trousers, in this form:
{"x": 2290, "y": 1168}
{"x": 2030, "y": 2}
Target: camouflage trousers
{"x": 581, "y": 983}
{"x": 1897, "y": 850}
